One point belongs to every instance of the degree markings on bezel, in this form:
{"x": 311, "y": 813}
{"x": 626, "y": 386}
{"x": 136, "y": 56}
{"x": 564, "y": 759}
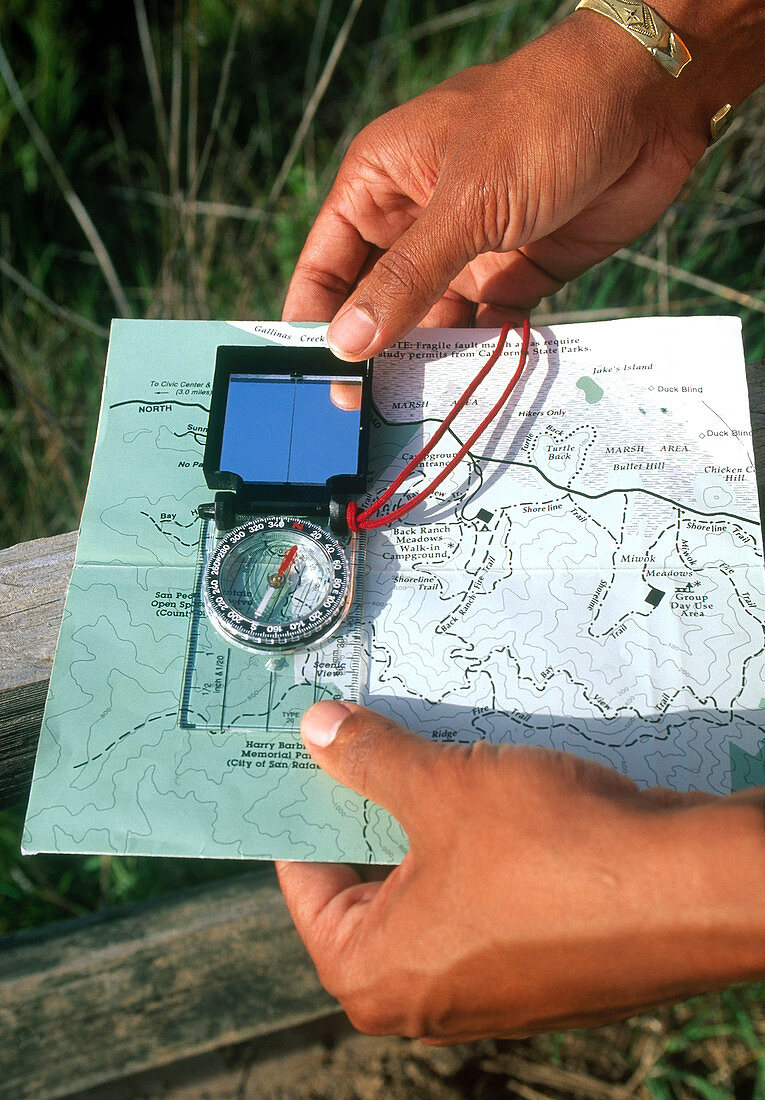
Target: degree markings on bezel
{"x": 321, "y": 552}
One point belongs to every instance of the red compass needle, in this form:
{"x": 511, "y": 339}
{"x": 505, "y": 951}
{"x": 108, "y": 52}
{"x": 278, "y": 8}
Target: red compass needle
{"x": 287, "y": 561}
{"x": 276, "y": 580}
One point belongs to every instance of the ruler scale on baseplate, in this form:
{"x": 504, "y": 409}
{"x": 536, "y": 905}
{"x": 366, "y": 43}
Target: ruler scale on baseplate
{"x": 225, "y": 688}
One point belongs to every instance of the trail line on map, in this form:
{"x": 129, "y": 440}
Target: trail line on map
{"x": 161, "y": 401}
{"x": 566, "y": 489}
{"x": 623, "y": 489}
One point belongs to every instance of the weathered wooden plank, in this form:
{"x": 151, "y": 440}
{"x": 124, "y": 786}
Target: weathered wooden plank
{"x": 98, "y": 998}
{"x": 21, "y": 711}
{"x": 33, "y": 581}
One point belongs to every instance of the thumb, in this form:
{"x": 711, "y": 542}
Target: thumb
{"x": 373, "y": 756}
{"x": 405, "y": 282}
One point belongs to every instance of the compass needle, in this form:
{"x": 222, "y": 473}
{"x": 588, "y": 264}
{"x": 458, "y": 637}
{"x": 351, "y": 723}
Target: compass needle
{"x": 260, "y": 609}
{"x": 276, "y": 581}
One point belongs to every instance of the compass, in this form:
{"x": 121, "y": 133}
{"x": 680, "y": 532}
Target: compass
{"x": 287, "y": 446}
{"x": 276, "y": 584}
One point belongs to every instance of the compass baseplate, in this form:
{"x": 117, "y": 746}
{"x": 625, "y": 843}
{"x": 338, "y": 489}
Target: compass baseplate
{"x": 227, "y": 688}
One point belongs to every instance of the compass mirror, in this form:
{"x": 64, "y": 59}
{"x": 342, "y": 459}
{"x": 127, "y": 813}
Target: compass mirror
{"x": 287, "y": 424}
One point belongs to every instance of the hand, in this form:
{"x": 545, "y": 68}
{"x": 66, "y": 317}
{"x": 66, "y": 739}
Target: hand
{"x": 496, "y": 187}
{"x": 540, "y": 891}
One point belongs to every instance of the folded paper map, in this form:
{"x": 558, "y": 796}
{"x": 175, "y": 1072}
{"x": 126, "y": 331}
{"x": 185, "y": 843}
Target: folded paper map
{"x": 590, "y": 578}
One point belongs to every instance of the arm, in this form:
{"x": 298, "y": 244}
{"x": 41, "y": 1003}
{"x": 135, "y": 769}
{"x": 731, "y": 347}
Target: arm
{"x": 507, "y": 180}
{"x": 540, "y": 891}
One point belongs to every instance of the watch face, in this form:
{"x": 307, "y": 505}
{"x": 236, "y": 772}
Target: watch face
{"x": 276, "y": 583}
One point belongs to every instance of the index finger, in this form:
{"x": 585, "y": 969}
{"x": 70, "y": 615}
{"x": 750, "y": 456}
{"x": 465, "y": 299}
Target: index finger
{"x": 309, "y": 888}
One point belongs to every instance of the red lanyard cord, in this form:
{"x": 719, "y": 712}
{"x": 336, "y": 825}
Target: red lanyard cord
{"x": 362, "y": 521}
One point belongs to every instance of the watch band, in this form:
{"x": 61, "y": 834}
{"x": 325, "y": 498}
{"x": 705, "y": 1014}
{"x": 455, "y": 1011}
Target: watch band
{"x": 648, "y": 27}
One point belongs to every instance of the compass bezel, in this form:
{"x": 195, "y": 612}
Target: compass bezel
{"x": 315, "y": 625}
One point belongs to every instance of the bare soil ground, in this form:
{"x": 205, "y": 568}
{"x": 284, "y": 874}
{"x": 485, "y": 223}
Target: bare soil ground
{"x": 646, "y": 1058}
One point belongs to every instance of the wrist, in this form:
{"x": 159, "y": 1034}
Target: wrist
{"x": 712, "y": 866}
{"x": 726, "y": 40}
{"x": 644, "y": 97}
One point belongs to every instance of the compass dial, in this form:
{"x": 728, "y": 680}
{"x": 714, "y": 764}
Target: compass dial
{"x": 276, "y": 583}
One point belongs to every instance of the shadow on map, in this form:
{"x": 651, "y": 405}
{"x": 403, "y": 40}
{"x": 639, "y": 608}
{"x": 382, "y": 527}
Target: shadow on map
{"x": 500, "y": 446}
{"x": 475, "y": 480}
{"x": 687, "y": 750}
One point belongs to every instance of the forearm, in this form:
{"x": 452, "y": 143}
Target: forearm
{"x": 590, "y": 935}
{"x": 726, "y": 39}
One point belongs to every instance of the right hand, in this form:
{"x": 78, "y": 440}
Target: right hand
{"x": 540, "y": 891}
{"x": 496, "y": 187}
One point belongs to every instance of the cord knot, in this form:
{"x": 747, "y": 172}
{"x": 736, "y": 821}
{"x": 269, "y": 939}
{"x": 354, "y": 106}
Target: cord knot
{"x": 351, "y": 513}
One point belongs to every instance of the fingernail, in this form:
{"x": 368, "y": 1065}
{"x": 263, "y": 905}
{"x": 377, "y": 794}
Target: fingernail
{"x": 351, "y": 333}
{"x": 322, "y": 721}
